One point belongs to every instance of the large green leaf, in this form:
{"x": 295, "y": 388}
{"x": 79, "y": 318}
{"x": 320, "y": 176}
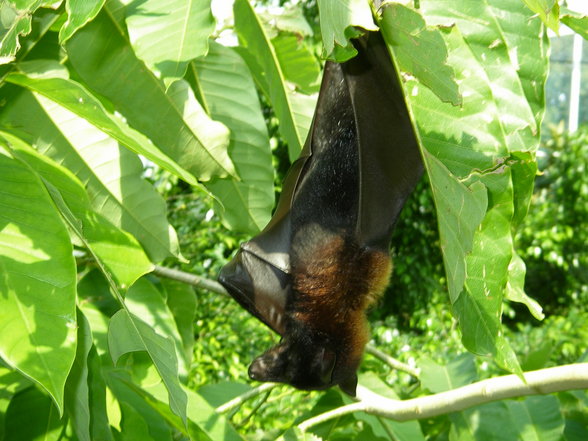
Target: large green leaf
{"x": 118, "y": 250}
{"x": 459, "y": 372}
{"x": 487, "y": 142}
{"x": 145, "y": 301}
{"x": 77, "y": 393}
{"x": 537, "y": 418}
{"x": 37, "y": 280}
{"x": 337, "y": 16}
{"x": 421, "y": 52}
{"x": 575, "y": 21}
{"x": 462, "y": 209}
{"x": 11, "y": 382}
{"x": 167, "y": 34}
{"x": 15, "y": 22}
{"x": 103, "y": 57}
{"x": 78, "y": 100}
{"x": 548, "y": 10}
{"x": 128, "y": 333}
{"x": 181, "y": 301}
{"x": 127, "y": 393}
{"x": 228, "y": 91}
{"x": 133, "y": 425}
{"x": 79, "y": 12}
{"x": 203, "y": 421}
{"x": 481, "y": 424}
{"x": 32, "y": 416}
{"x": 253, "y": 37}
{"x": 111, "y": 174}
{"x": 298, "y": 63}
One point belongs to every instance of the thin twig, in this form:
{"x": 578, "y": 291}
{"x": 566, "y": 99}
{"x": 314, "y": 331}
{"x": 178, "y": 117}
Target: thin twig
{"x": 392, "y": 362}
{"x": 254, "y": 410}
{"x": 244, "y": 397}
{"x": 190, "y": 279}
{"x": 544, "y": 381}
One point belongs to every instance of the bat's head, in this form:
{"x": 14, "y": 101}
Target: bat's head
{"x": 304, "y": 365}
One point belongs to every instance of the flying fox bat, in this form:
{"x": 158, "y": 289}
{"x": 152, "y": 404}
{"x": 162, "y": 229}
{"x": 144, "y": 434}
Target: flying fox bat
{"x": 323, "y": 259}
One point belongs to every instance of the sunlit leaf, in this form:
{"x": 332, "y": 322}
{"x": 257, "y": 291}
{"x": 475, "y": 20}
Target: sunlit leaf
{"x": 128, "y": 333}
{"x": 103, "y": 57}
{"x": 118, "y": 250}
{"x": 229, "y": 93}
{"x": 420, "y": 51}
{"x": 37, "y": 280}
{"x": 79, "y": 12}
{"x": 111, "y": 174}
{"x": 167, "y": 34}
{"x": 336, "y": 16}
{"x": 254, "y": 38}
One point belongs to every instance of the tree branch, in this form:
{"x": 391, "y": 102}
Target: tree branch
{"x": 190, "y": 279}
{"x": 223, "y": 408}
{"x": 544, "y": 381}
{"x": 392, "y": 362}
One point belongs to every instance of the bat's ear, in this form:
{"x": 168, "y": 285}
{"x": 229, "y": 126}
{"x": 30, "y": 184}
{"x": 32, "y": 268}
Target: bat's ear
{"x": 349, "y": 385}
{"x": 327, "y": 365}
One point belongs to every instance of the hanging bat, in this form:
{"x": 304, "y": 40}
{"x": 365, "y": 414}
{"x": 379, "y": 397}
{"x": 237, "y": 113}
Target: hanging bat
{"x": 323, "y": 259}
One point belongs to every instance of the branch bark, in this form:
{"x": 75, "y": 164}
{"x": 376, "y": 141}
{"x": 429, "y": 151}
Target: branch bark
{"x": 544, "y": 381}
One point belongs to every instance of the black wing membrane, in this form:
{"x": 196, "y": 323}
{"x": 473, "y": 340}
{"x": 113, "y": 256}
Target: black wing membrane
{"x": 358, "y": 166}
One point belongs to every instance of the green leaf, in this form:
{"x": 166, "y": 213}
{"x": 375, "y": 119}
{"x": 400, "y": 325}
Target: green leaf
{"x": 487, "y": 143}
{"x": 145, "y": 301}
{"x": 548, "y": 11}
{"x": 99, "y": 425}
{"x": 11, "y": 382}
{"x": 336, "y": 16}
{"x": 516, "y": 282}
{"x": 288, "y": 18}
{"x": 459, "y": 372}
{"x": 254, "y": 38}
{"x": 420, "y": 51}
{"x": 79, "y": 12}
{"x": 75, "y": 98}
{"x": 481, "y": 423}
{"x": 104, "y": 59}
{"x": 15, "y": 22}
{"x": 133, "y": 425}
{"x": 32, "y": 415}
{"x": 537, "y": 418}
{"x": 229, "y": 94}
{"x": 111, "y": 174}
{"x": 461, "y": 210}
{"x": 298, "y": 63}
{"x": 37, "y": 281}
{"x": 181, "y": 301}
{"x": 126, "y": 392}
{"x": 77, "y": 392}
{"x": 202, "y": 418}
{"x": 127, "y": 333}
{"x": 118, "y": 250}
{"x": 167, "y": 34}
{"x": 576, "y": 21}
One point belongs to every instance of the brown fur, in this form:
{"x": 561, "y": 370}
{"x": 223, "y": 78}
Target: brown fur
{"x": 336, "y": 281}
